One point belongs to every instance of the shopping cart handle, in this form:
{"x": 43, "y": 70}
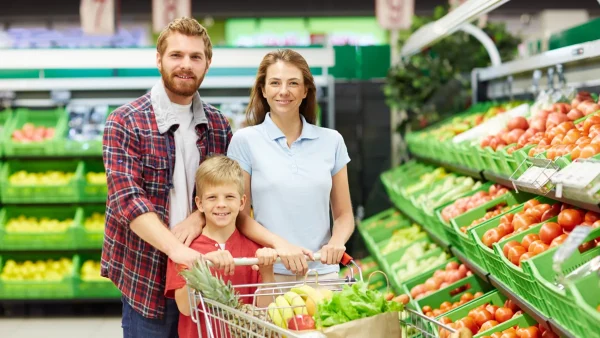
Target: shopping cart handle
{"x": 346, "y": 259}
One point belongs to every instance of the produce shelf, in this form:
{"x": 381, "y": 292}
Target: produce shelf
{"x": 492, "y": 280}
{"x": 505, "y": 181}
{"x": 495, "y": 282}
{"x": 476, "y": 174}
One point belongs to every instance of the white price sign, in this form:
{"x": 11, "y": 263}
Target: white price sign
{"x": 577, "y": 174}
{"x": 535, "y": 177}
{"x": 165, "y": 11}
{"x": 395, "y": 14}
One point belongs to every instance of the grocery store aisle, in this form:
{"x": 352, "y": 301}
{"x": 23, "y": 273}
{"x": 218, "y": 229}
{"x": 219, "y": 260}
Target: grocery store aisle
{"x": 61, "y": 327}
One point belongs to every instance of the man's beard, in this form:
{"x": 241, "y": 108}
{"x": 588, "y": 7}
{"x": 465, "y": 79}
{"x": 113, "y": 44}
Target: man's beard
{"x": 181, "y": 88}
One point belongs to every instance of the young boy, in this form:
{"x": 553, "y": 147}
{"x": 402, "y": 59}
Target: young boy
{"x": 220, "y": 196}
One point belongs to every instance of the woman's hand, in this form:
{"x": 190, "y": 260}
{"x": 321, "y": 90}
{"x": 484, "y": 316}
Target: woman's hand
{"x": 332, "y": 253}
{"x": 293, "y": 257}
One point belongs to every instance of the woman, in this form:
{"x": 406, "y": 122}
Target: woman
{"x": 294, "y": 170}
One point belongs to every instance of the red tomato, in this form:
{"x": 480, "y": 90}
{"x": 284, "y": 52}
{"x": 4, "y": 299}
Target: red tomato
{"x": 515, "y": 253}
{"x": 468, "y": 323}
{"x": 591, "y": 217}
{"x": 528, "y": 239}
{"x": 569, "y": 218}
{"x": 490, "y": 237}
{"x": 549, "y": 231}
{"x": 531, "y": 332}
{"x": 525, "y": 257}
{"x": 553, "y": 212}
{"x": 529, "y": 204}
{"x": 488, "y": 325}
{"x": 481, "y": 316}
{"x": 511, "y": 305}
{"x": 509, "y": 245}
{"x": 558, "y": 240}
{"x": 503, "y": 314}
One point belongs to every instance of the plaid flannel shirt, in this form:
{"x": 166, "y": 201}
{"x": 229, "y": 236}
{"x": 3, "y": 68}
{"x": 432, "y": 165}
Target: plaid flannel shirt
{"x": 139, "y": 162}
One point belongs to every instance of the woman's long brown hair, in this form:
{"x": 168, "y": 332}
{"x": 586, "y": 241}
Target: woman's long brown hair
{"x": 258, "y": 107}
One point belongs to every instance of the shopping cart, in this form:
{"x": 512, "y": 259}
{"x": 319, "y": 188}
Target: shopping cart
{"x": 222, "y": 321}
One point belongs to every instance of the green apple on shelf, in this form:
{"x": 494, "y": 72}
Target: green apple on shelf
{"x": 95, "y": 222}
{"x": 90, "y": 271}
{"x": 48, "y": 270}
{"x": 50, "y": 177}
{"x": 35, "y": 225}
{"x": 96, "y": 178}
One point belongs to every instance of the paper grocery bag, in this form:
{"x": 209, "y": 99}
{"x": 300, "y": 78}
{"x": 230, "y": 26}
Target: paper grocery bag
{"x": 385, "y": 325}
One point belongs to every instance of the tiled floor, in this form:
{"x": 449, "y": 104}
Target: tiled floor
{"x": 61, "y": 327}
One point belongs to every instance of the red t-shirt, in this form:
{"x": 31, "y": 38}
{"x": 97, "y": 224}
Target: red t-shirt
{"x": 239, "y": 246}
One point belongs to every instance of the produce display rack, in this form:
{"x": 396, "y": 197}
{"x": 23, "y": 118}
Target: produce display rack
{"x": 549, "y": 323}
{"x": 503, "y": 180}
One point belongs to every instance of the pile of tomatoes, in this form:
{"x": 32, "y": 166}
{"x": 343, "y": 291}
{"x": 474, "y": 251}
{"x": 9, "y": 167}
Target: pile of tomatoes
{"x": 447, "y": 306}
{"x": 487, "y": 316}
{"x": 462, "y": 205}
{"x": 495, "y": 211}
{"x": 440, "y": 279}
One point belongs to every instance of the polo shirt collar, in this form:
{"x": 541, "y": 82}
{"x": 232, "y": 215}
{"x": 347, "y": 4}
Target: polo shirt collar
{"x": 308, "y": 130}
{"x": 233, "y": 240}
{"x": 164, "y": 112}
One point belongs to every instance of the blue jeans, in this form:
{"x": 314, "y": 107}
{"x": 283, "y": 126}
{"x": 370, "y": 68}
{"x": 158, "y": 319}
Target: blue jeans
{"x": 137, "y": 326}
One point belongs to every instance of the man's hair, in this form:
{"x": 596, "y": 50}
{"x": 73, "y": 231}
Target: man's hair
{"x": 219, "y": 170}
{"x": 188, "y": 27}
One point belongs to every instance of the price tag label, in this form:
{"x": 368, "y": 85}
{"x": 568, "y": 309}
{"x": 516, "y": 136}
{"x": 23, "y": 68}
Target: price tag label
{"x": 572, "y": 243}
{"x": 577, "y": 174}
{"x": 536, "y": 177}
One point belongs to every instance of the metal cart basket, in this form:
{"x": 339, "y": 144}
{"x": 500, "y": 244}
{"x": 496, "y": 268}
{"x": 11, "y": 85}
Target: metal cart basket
{"x": 222, "y": 321}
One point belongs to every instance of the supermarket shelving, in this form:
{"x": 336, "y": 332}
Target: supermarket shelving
{"x": 505, "y": 181}
{"x": 492, "y": 280}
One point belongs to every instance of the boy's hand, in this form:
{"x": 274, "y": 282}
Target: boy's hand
{"x": 266, "y": 256}
{"x": 222, "y": 260}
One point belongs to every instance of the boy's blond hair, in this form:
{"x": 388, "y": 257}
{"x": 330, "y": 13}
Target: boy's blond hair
{"x": 218, "y": 170}
{"x": 188, "y": 27}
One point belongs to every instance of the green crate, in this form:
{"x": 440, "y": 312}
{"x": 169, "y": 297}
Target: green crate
{"x": 493, "y": 298}
{"x": 37, "y": 289}
{"x": 466, "y": 243}
{"x": 487, "y": 255}
{"x": 101, "y": 288}
{"x": 519, "y": 280}
{"x": 56, "y": 118}
{"x": 387, "y": 260}
{"x": 433, "y": 253}
{"x": 90, "y": 238}
{"x": 560, "y": 304}
{"x": 35, "y": 192}
{"x": 586, "y": 296}
{"x": 444, "y": 226}
{"x": 453, "y": 292}
{"x": 93, "y": 189}
{"x": 522, "y": 321}
{"x": 5, "y": 120}
{"x": 26, "y": 241}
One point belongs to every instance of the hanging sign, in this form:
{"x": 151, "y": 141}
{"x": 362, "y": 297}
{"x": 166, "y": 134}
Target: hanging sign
{"x": 165, "y": 11}
{"x": 395, "y": 14}
{"x": 97, "y": 17}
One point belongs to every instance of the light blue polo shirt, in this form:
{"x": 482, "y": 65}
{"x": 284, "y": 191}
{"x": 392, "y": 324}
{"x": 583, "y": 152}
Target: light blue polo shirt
{"x": 291, "y": 186}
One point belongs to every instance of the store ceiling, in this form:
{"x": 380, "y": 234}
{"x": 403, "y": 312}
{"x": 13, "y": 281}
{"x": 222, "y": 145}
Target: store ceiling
{"x": 261, "y": 8}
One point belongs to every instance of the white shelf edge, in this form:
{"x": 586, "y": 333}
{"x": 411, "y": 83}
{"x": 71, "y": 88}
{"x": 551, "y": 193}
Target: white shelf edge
{"x": 124, "y": 83}
{"x": 563, "y": 55}
{"x": 141, "y": 58}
